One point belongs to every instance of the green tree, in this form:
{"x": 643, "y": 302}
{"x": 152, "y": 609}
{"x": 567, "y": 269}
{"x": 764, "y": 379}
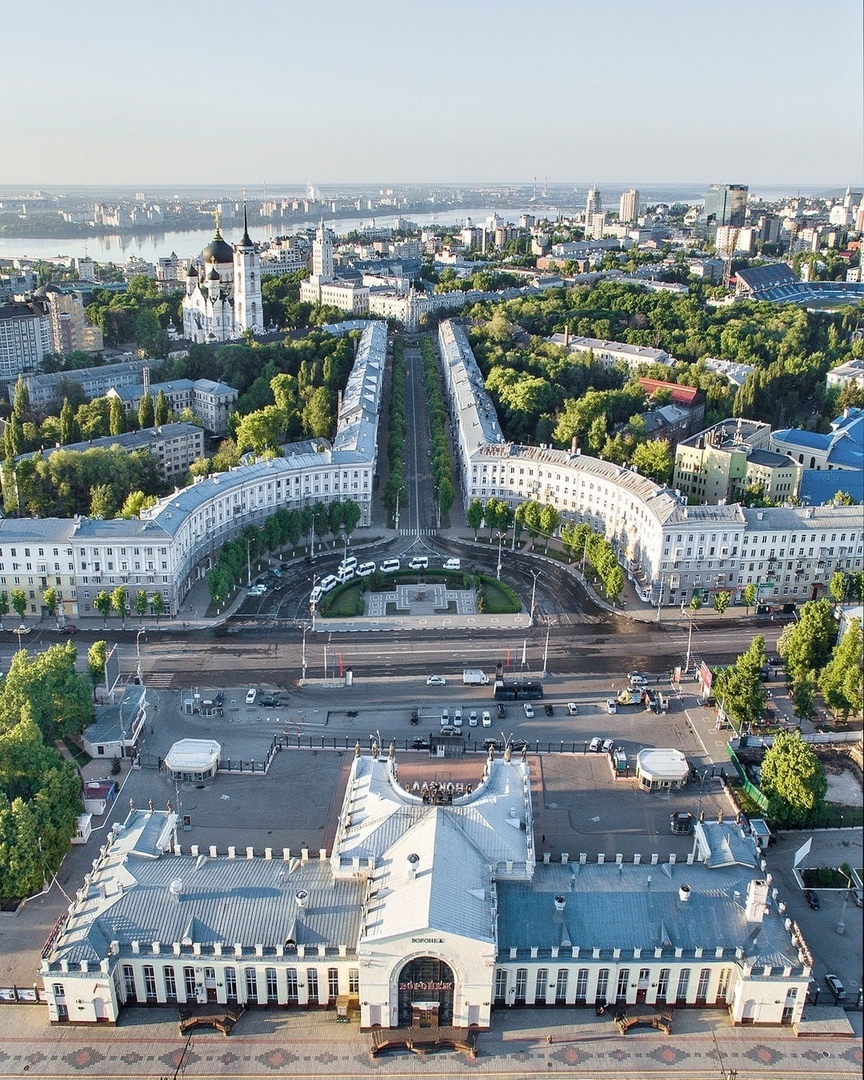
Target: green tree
{"x": 102, "y": 603}
{"x": 47, "y": 683}
{"x": 19, "y": 602}
{"x": 793, "y": 779}
{"x": 806, "y": 644}
{"x": 695, "y": 602}
{"x": 160, "y": 409}
{"x": 50, "y": 600}
{"x": 116, "y": 417}
{"x": 804, "y": 695}
{"x": 141, "y": 602}
{"x": 721, "y": 601}
{"x": 474, "y": 515}
{"x": 4, "y": 605}
{"x": 118, "y": 601}
{"x": 739, "y": 688}
{"x": 69, "y": 432}
{"x": 841, "y": 681}
{"x": 135, "y": 502}
{"x": 97, "y": 655}
{"x": 102, "y": 504}
{"x": 219, "y": 584}
{"x": 157, "y": 605}
{"x": 748, "y": 595}
{"x": 654, "y": 460}
{"x": 146, "y": 411}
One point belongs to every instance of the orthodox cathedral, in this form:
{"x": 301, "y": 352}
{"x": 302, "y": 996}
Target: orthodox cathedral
{"x": 223, "y": 291}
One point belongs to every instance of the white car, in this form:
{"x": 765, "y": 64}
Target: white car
{"x": 257, "y": 590}
{"x": 572, "y": 708}
{"x": 445, "y": 717}
{"x": 457, "y": 717}
{"x": 611, "y": 706}
{"x": 366, "y": 569}
{"x": 419, "y": 562}
{"x": 453, "y": 564}
{"x": 328, "y": 583}
{"x": 607, "y": 746}
{"x": 436, "y": 680}
{"x": 472, "y": 718}
{"x": 251, "y": 694}
{"x": 390, "y": 566}
{"x": 594, "y": 745}
{"x": 315, "y": 595}
{"x": 637, "y": 679}
{"x": 529, "y": 710}
{"x": 486, "y": 719}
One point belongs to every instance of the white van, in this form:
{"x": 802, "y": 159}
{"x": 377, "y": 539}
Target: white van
{"x": 345, "y": 574}
{"x": 315, "y": 595}
{"x": 453, "y": 564}
{"x": 419, "y": 562}
{"x": 347, "y": 564}
{"x": 328, "y": 583}
{"x": 366, "y": 569}
{"x": 390, "y": 566}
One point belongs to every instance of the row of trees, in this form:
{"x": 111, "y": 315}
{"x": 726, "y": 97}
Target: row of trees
{"x": 442, "y": 465}
{"x": 583, "y": 543}
{"x": 396, "y": 490}
{"x": 117, "y": 602}
{"x": 282, "y": 529}
{"x": 42, "y": 699}
{"x": 815, "y": 659}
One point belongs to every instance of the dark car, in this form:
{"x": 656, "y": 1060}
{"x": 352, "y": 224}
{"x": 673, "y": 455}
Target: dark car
{"x": 812, "y": 899}
{"x": 493, "y": 744}
{"x": 415, "y": 718}
{"x": 547, "y": 708}
{"x": 419, "y": 744}
{"x": 219, "y": 700}
{"x": 500, "y": 711}
{"x": 268, "y": 700}
{"x": 518, "y": 744}
{"x": 69, "y": 628}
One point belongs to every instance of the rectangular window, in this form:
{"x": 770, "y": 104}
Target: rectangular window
{"x": 292, "y": 986}
{"x": 170, "y": 982}
{"x": 500, "y": 986}
{"x": 189, "y": 982}
{"x": 722, "y": 984}
{"x": 332, "y": 984}
{"x": 251, "y": 986}
{"x": 683, "y": 985}
{"x": 540, "y": 986}
{"x": 521, "y": 985}
{"x": 312, "y": 985}
{"x": 129, "y": 982}
{"x": 353, "y": 980}
{"x": 561, "y": 987}
{"x": 150, "y": 982}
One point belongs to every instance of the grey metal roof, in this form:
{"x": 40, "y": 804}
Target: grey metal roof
{"x": 638, "y": 907}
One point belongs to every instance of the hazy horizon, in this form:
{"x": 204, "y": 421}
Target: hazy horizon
{"x": 460, "y": 90}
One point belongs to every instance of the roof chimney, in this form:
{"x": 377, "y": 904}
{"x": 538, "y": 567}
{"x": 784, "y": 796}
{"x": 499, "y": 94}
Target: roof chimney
{"x": 757, "y": 898}
{"x": 560, "y": 903}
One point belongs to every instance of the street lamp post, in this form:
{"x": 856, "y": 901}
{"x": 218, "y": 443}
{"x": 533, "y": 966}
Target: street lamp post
{"x": 534, "y": 574}
{"x": 660, "y": 598}
{"x": 248, "y": 561}
{"x": 498, "y": 571}
{"x": 138, "y": 652}
{"x": 303, "y": 659}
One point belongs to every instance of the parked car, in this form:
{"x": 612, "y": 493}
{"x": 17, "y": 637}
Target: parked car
{"x": 812, "y": 899}
{"x": 436, "y": 680}
{"x": 257, "y": 590}
{"x": 572, "y": 708}
{"x": 415, "y": 716}
{"x": 69, "y": 628}
{"x": 500, "y": 711}
{"x": 275, "y": 572}
{"x": 835, "y": 986}
{"x": 390, "y": 566}
{"x": 457, "y": 716}
{"x": 595, "y": 744}
{"x": 345, "y": 574}
{"x": 486, "y": 721}
{"x": 547, "y": 708}
{"x": 251, "y": 694}
{"x": 419, "y": 562}
{"x": 445, "y": 717}
{"x": 529, "y": 710}
{"x": 219, "y": 700}
{"x": 327, "y": 583}
{"x": 611, "y": 706}
{"x": 472, "y": 718}
{"x": 366, "y": 569}
{"x": 493, "y": 744}
{"x": 608, "y": 746}
{"x": 269, "y": 700}
{"x": 637, "y": 678}
{"x": 858, "y": 897}
{"x": 453, "y": 564}
{"x": 419, "y": 743}
{"x": 518, "y": 744}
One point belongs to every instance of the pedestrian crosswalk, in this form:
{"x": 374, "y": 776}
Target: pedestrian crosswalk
{"x": 418, "y": 532}
{"x": 159, "y": 680}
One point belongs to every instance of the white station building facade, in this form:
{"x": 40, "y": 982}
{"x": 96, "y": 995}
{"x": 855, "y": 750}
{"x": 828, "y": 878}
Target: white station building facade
{"x": 432, "y": 901}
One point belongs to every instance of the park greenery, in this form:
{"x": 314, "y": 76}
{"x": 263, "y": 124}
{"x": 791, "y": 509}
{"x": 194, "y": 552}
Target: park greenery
{"x": 739, "y": 687}
{"x": 543, "y": 394}
{"x": 395, "y": 489}
{"x": 442, "y": 465}
{"x": 42, "y": 700}
{"x": 793, "y": 780}
{"x": 805, "y": 647}
{"x": 140, "y": 313}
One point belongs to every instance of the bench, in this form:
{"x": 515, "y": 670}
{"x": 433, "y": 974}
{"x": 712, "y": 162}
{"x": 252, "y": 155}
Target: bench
{"x": 421, "y": 1041}
{"x": 660, "y": 1022}
{"x": 221, "y": 1020}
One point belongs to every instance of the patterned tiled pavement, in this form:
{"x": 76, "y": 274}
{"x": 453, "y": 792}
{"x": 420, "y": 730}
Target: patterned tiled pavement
{"x": 524, "y": 1043}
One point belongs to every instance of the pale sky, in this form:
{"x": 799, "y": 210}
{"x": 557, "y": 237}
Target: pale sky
{"x": 758, "y": 92}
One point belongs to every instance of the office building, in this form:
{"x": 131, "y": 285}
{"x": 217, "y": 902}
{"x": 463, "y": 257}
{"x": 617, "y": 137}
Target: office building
{"x": 628, "y": 206}
{"x": 726, "y": 204}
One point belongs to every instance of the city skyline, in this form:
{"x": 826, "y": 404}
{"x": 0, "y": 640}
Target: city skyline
{"x": 459, "y": 93}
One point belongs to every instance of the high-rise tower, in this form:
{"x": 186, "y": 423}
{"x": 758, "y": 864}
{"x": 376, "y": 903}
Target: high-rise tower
{"x": 248, "y": 306}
